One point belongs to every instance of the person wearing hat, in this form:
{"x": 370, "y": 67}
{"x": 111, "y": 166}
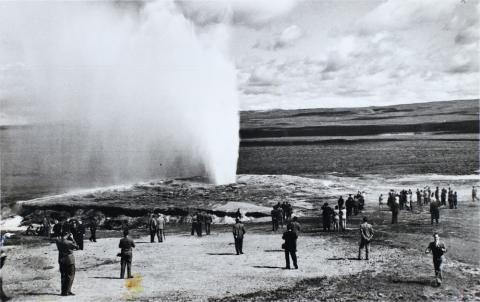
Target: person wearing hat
{"x": 326, "y": 217}
{"x": 66, "y": 245}
{"x": 238, "y": 233}
{"x": 160, "y": 227}
{"x": 126, "y": 244}
{"x": 152, "y": 227}
{"x": 290, "y": 246}
{"x": 366, "y": 233}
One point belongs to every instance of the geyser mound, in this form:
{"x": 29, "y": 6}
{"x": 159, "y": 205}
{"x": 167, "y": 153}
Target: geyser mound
{"x": 130, "y": 91}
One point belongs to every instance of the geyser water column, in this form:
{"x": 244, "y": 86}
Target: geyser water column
{"x": 129, "y": 91}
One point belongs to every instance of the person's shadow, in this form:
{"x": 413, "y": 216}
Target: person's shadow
{"x": 39, "y": 294}
{"x": 105, "y": 277}
{"x": 221, "y": 254}
{"x": 268, "y": 266}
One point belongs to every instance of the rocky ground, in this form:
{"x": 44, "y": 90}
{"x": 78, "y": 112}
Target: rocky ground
{"x": 186, "y": 268}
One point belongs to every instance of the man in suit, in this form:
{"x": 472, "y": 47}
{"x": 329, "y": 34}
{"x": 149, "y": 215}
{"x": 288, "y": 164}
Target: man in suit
{"x": 66, "y": 245}
{"x": 152, "y": 226}
{"x": 126, "y": 244}
{"x": 160, "y": 227}
{"x": 238, "y": 232}
{"x": 437, "y": 249}
{"x": 434, "y": 211}
{"x": 366, "y": 233}
{"x": 290, "y": 246}
{"x": 208, "y": 223}
{"x": 93, "y": 229}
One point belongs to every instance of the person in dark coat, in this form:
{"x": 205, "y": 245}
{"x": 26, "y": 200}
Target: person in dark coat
{"x": 341, "y": 202}
{"x": 93, "y": 230}
{"x": 395, "y": 208}
{"x": 152, "y": 227}
{"x": 455, "y": 200}
{"x": 274, "y": 214}
{"x": 80, "y": 234}
{"x": 126, "y": 244}
{"x": 238, "y": 233}
{"x": 57, "y": 229}
{"x": 437, "y": 249}
{"x": 443, "y": 197}
{"x": 290, "y": 246}
{"x": 326, "y": 217}
{"x": 199, "y": 224}
{"x": 434, "y": 211}
{"x": 66, "y": 245}
{"x": 349, "y": 204}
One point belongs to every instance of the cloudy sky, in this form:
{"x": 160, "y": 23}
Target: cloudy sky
{"x": 360, "y": 53}
{"x": 315, "y": 53}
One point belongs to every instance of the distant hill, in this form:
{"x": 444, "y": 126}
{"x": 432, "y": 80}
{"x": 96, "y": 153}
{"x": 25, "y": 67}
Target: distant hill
{"x": 433, "y": 120}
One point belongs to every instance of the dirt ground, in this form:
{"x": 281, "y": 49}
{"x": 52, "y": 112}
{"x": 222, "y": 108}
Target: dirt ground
{"x": 186, "y": 268}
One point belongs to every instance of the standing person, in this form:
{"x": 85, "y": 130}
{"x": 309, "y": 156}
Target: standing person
{"x": 450, "y": 199}
{"x": 437, "y": 194}
{"x": 434, "y": 211}
{"x": 199, "y": 224}
{"x": 395, "y": 208}
{"x": 419, "y": 197}
{"x": 341, "y": 202}
{"x": 46, "y": 226}
{"x": 66, "y": 245}
{"x": 437, "y": 249}
{"x": 335, "y": 219}
{"x": 443, "y": 197}
{"x": 238, "y": 233}
{"x": 474, "y": 194}
{"x": 194, "y": 224}
{"x": 152, "y": 227}
{"x": 284, "y": 210}
{"x": 126, "y": 244}
{"x": 80, "y": 234}
{"x": 289, "y": 211}
{"x": 326, "y": 217}
{"x": 93, "y": 229}
{"x": 290, "y": 246}
{"x": 238, "y": 214}
{"x": 160, "y": 227}
{"x": 349, "y": 204}
{"x": 366, "y": 233}
{"x": 274, "y": 214}
{"x": 380, "y": 200}
{"x": 455, "y": 200}
{"x": 410, "y": 199}
{"x": 208, "y": 223}
{"x": 342, "y": 214}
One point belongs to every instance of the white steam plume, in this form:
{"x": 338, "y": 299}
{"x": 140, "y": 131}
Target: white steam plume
{"x": 137, "y": 91}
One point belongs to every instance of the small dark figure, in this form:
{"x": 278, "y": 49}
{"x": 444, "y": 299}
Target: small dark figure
{"x": 455, "y": 200}
{"x": 80, "y": 234}
{"x": 238, "y": 233}
{"x": 126, "y": 244}
{"x": 349, "y": 204}
{"x": 341, "y": 202}
{"x": 238, "y": 214}
{"x": 93, "y": 230}
{"x": 437, "y": 194}
{"x": 208, "y": 223}
{"x": 199, "y": 225}
{"x": 395, "y": 208}
{"x": 290, "y": 246}
{"x": 450, "y": 199}
{"x": 66, "y": 245}
{"x": 437, "y": 249}
{"x": 366, "y": 233}
{"x": 274, "y": 214}
{"x": 443, "y": 197}
{"x": 326, "y": 217}
{"x": 289, "y": 211}
{"x": 152, "y": 227}
{"x": 434, "y": 211}
{"x": 194, "y": 225}
{"x": 46, "y": 226}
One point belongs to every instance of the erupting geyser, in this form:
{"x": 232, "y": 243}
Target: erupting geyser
{"x": 120, "y": 92}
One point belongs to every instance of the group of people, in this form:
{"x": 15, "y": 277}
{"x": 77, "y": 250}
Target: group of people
{"x": 156, "y": 226}
{"x": 403, "y": 200}
{"x": 52, "y": 228}
{"x": 200, "y": 221}
{"x": 281, "y": 214}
